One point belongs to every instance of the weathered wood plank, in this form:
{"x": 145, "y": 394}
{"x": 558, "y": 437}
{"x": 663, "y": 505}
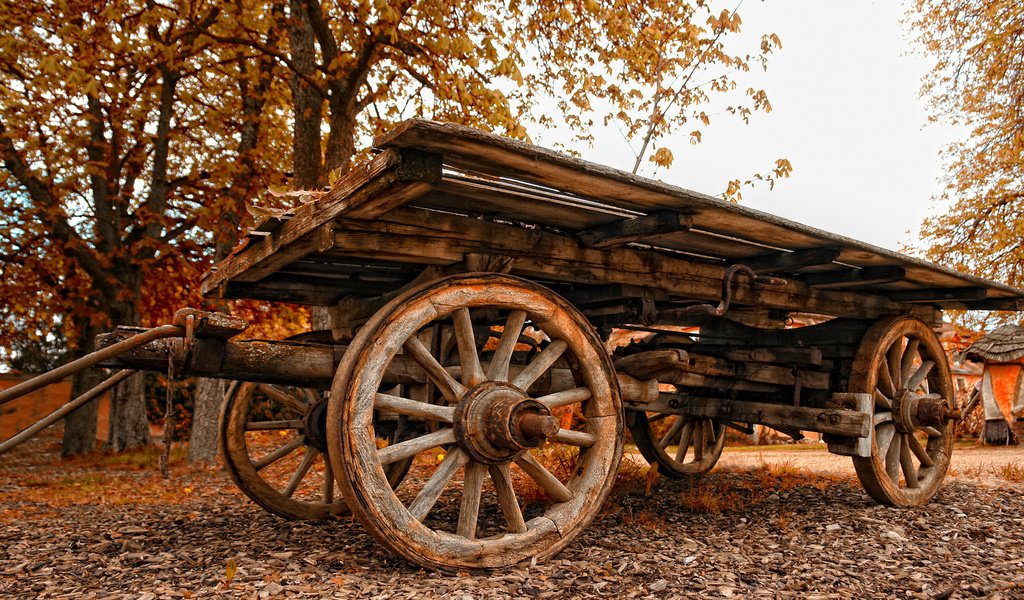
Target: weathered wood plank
{"x": 790, "y": 262}
{"x": 418, "y": 236}
{"x": 854, "y": 277}
{"x": 625, "y": 231}
{"x": 849, "y": 423}
{"x": 477, "y": 151}
{"x": 373, "y": 188}
{"x": 939, "y": 294}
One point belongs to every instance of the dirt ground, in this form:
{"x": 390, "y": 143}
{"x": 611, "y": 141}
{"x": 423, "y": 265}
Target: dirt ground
{"x": 769, "y": 522}
{"x": 975, "y": 462}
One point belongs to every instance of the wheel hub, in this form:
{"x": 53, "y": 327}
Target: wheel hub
{"x": 495, "y": 422}
{"x": 912, "y": 411}
{"x": 315, "y": 425}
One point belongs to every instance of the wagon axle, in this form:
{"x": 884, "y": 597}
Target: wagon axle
{"x": 496, "y": 421}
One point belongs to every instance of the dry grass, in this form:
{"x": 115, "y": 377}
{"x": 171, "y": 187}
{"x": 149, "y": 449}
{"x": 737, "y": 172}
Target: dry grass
{"x": 144, "y": 459}
{"x": 1011, "y": 472}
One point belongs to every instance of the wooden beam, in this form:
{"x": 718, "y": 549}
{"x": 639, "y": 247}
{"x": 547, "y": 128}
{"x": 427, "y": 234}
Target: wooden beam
{"x": 404, "y": 235}
{"x": 1015, "y": 304}
{"x": 844, "y": 422}
{"x": 789, "y": 262}
{"x": 587, "y": 295}
{"x": 620, "y": 233}
{"x": 854, "y": 277}
{"x": 939, "y": 294}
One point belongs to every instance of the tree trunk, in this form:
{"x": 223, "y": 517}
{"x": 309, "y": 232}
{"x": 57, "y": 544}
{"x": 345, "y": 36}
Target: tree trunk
{"x": 80, "y": 425}
{"x": 307, "y": 101}
{"x": 209, "y": 395}
{"x": 129, "y": 427}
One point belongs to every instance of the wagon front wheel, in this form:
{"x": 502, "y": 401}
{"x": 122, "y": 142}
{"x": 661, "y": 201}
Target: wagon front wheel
{"x": 902, "y": 364}
{"x": 523, "y": 451}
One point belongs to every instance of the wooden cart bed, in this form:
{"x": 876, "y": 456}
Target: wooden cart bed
{"x": 443, "y": 195}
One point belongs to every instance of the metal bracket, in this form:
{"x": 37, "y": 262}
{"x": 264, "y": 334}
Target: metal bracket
{"x": 727, "y": 281}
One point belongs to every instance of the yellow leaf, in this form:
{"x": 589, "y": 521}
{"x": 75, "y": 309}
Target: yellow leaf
{"x": 229, "y": 571}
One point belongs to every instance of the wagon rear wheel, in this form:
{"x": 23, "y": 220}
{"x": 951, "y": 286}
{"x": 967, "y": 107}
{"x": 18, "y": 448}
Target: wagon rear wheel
{"x": 902, "y": 364}
{"x": 681, "y": 445}
{"x": 274, "y": 448}
{"x": 511, "y": 469}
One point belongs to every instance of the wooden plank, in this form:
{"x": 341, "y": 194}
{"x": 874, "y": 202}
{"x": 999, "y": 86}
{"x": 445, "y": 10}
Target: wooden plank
{"x": 588, "y": 295}
{"x": 791, "y": 262}
{"x": 388, "y": 180}
{"x": 402, "y": 235}
{"x": 482, "y": 152}
{"x": 854, "y": 277}
{"x": 844, "y": 422}
{"x": 939, "y": 294}
{"x": 626, "y": 231}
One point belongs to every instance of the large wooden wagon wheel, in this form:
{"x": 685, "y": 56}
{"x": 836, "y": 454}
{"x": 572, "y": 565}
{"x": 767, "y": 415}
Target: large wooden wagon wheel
{"x": 512, "y": 471}
{"x": 274, "y": 447}
{"x": 681, "y": 445}
{"x": 902, "y": 364}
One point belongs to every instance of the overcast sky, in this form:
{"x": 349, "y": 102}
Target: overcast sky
{"x": 846, "y": 113}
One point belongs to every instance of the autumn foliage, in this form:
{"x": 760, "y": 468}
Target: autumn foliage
{"x": 134, "y": 134}
{"x": 978, "y": 83}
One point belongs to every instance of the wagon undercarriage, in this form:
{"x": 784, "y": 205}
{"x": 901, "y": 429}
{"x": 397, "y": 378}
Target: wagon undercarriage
{"x": 501, "y": 314}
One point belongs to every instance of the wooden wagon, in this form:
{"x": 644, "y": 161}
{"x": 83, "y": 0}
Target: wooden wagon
{"x": 475, "y": 285}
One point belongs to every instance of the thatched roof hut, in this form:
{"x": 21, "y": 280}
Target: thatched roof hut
{"x": 1004, "y": 344}
{"x": 1002, "y": 384}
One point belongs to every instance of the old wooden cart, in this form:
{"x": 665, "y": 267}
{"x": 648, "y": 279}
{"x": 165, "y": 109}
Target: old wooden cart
{"x": 474, "y": 285}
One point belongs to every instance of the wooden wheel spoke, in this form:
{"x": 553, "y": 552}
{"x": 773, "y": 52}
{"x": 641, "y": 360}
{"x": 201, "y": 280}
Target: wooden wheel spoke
{"x": 673, "y": 432}
{"x": 328, "y": 489}
{"x": 881, "y": 417}
{"x": 684, "y": 441}
{"x": 657, "y": 417}
{"x": 881, "y": 401}
{"x": 709, "y": 432}
{"x": 284, "y": 398}
{"x": 888, "y": 446}
{"x": 431, "y": 491}
{"x": 501, "y": 475}
{"x": 892, "y": 458}
{"x": 469, "y": 510}
{"x": 409, "y": 448}
{"x": 540, "y": 364}
{"x": 919, "y": 451}
{"x": 907, "y": 462}
{"x": 451, "y": 389}
{"x": 565, "y": 397}
{"x": 414, "y": 408}
{"x": 885, "y": 383}
{"x": 932, "y": 432}
{"x": 472, "y": 372}
{"x": 907, "y": 362}
{"x": 498, "y": 369}
{"x": 555, "y": 488}
{"x": 575, "y": 438}
{"x": 698, "y": 444}
{"x": 300, "y": 473}
{"x": 919, "y": 376}
{"x": 278, "y": 454}
{"x": 894, "y": 361}
{"x": 274, "y": 425}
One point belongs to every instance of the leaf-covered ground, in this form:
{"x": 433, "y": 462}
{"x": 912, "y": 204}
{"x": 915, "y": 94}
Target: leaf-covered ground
{"x": 111, "y": 527}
